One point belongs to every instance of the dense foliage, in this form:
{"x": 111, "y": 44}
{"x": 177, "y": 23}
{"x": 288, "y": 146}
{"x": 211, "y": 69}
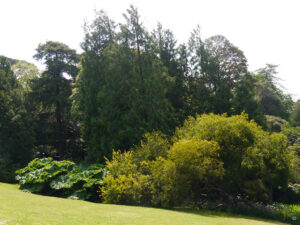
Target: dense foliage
{"x": 61, "y": 178}
{"x": 133, "y": 81}
{"x": 16, "y": 134}
{"x": 209, "y": 157}
{"x": 128, "y": 98}
{"x": 49, "y": 102}
{"x": 133, "y": 89}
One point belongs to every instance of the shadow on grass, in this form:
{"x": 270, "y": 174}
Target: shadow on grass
{"x": 219, "y": 214}
{"x": 212, "y": 213}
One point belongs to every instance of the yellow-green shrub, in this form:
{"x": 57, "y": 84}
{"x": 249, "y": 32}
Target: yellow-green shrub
{"x": 152, "y": 146}
{"x": 215, "y": 156}
{"x": 190, "y": 167}
{"x": 164, "y": 190}
{"x": 199, "y": 160}
{"x": 124, "y": 184}
{"x": 247, "y": 151}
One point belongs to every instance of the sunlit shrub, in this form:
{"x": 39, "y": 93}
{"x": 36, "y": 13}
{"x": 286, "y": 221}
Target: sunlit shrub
{"x": 124, "y": 184}
{"x": 164, "y": 188}
{"x": 210, "y": 157}
{"x": 152, "y": 146}
{"x": 252, "y": 158}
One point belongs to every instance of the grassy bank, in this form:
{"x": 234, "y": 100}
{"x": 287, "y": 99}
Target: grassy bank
{"x": 17, "y": 207}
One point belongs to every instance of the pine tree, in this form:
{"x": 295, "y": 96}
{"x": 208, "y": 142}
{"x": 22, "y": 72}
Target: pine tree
{"x": 51, "y": 93}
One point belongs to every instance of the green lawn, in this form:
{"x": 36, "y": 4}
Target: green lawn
{"x": 17, "y": 207}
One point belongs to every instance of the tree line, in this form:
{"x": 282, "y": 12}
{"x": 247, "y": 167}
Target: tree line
{"x": 127, "y": 82}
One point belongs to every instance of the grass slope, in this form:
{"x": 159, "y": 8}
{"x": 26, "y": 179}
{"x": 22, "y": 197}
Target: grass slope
{"x": 17, "y": 207}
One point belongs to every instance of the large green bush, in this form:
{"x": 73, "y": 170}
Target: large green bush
{"x": 255, "y": 161}
{"x": 130, "y": 179}
{"x": 197, "y": 167}
{"x": 209, "y": 157}
{"x": 125, "y": 184}
{"x": 61, "y": 178}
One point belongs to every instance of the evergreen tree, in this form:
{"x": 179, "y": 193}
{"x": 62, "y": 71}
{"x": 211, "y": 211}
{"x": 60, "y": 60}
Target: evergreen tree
{"x": 173, "y": 58}
{"x": 121, "y": 89}
{"x": 86, "y": 108}
{"x": 50, "y": 93}
{"x": 244, "y": 100}
{"x": 16, "y": 137}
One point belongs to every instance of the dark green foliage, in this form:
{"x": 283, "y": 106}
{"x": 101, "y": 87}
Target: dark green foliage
{"x": 132, "y": 82}
{"x": 174, "y": 58}
{"x": 61, "y": 178}
{"x": 121, "y": 89}
{"x": 244, "y": 100}
{"x": 39, "y": 173}
{"x": 216, "y": 67}
{"x": 86, "y": 107}
{"x": 58, "y": 58}
{"x": 49, "y": 101}
{"x": 16, "y": 134}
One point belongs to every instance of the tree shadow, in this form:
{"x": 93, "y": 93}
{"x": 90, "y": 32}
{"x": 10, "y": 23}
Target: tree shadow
{"x": 218, "y": 214}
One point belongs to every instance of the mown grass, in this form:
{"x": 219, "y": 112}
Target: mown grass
{"x": 17, "y": 207}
